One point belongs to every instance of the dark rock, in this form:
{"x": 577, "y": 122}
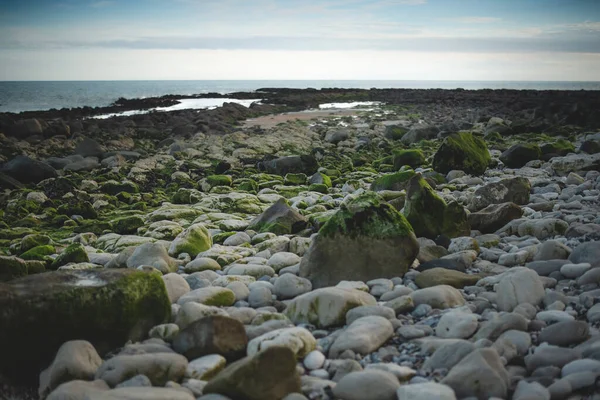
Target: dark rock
{"x": 590, "y": 147}
{"x": 268, "y": 375}
{"x": 515, "y": 190}
{"x": 293, "y": 164}
{"x": 89, "y": 148}
{"x": 215, "y": 334}
{"x": 520, "y": 154}
{"x": 588, "y": 252}
{"x": 494, "y": 217}
{"x": 27, "y": 170}
{"x": 442, "y": 263}
{"x": 105, "y": 307}
{"x": 280, "y": 219}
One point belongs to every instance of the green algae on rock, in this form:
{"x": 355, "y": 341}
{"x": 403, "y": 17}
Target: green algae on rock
{"x": 412, "y": 157}
{"x": 520, "y": 154}
{"x": 365, "y": 239}
{"x": 429, "y": 214}
{"x": 280, "y": 219}
{"x": 105, "y": 307}
{"x": 462, "y": 151}
{"x": 127, "y": 225}
{"x": 193, "y": 240}
{"x": 74, "y": 253}
{"x": 396, "y": 181}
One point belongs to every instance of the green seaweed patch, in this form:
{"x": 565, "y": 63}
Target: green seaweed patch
{"x": 367, "y": 215}
{"x": 39, "y": 253}
{"x": 412, "y": 157}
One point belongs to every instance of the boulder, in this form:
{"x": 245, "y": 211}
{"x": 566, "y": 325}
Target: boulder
{"x": 494, "y": 217}
{"x": 442, "y": 276}
{"x": 89, "y": 148}
{"x": 268, "y": 375}
{"x": 441, "y": 296}
{"x": 365, "y": 239}
{"x": 418, "y": 132}
{"x": 27, "y": 170}
{"x": 160, "y": 368}
{"x": 520, "y": 154}
{"x": 141, "y": 393}
{"x": 588, "y": 252}
{"x": 481, "y": 374}
{"x": 371, "y": 384}
{"x": 280, "y": 219}
{"x": 154, "y": 255}
{"x": 396, "y": 181}
{"x": 76, "y": 359}
{"x": 194, "y": 240}
{"x": 515, "y": 190}
{"x": 363, "y": 336}
{"x": 299, "y": 340}
{"x": 425, "y": 391}
{"x": 305, "y": 164}
{"x": 462, "y": 151}
{"x": 78, "y": 390}
{"x": 429, "y": 214}
{"x": 326, "y": 307}
{"x": 105, "y": 307}
{"x": 412, "y": 157}
{"x": 519, "y": 285}
{"x": 214, "y": 334}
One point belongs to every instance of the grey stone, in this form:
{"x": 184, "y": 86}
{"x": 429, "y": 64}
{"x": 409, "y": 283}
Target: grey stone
{"x": 370, "y": 384}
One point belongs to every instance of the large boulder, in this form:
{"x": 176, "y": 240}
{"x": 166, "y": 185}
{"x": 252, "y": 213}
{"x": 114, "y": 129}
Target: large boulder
{"x": 26, "y": 127}
{"x": 396, "y": 181}
{"x": 89, "y": 148}
{"x": 306, "y": 164}
{"x": 520, "y": 154}
{"x": 515, "y": 190}
{"x": 429, "y": 214}
{"x": 412, "y": 157}
{"x": 365, "y": 239}
{"x": 326, "y": 307}
{"x": 27, "y": 170}
{"x": 268, "y": 375}
{"x": 280, "y": 219}
{"x": 40, "y": 312}
{"x": 494, "y": 217}
{"x": 481, "y": 374}
{"x": 194, "y": 240}
{"x": 462, "y": 151}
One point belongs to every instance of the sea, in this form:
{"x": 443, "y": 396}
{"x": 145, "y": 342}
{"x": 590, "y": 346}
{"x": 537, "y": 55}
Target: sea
{"x": 18, "y": 96}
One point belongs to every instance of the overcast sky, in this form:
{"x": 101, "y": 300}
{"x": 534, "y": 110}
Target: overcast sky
{"x": 300, "y": 39}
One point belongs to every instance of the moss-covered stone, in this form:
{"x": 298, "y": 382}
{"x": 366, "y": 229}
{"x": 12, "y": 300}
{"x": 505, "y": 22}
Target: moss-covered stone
{"x": 560, "y": 147}
{"x": 295, "y": 179}
{"x": 395, "y": 132}
{"x": 318, "y": 187}
{"x": 11, "y": 268}
{"x": 40, "y": 253}
{"x": 429, "y": 214}
{"x": 320, "y": 178}
{"x": 365, "y": 239}
{"x": 74, "y": 253}
{"x": 90, "y": 225}
{"x": 396, "y": 181}
{"x": 31, "y": 241}
{"x": 114, "y": 187}
{"x": 193, "y": 240}
{"x": 462, "y": 151}
{"x": 105, "y": 307}
{"x": 127, "y": 225}
{"x": 74, "y": 207}
{"x": 280, "y": 219}
{"x": 247, "y": 185}
{"x": 520, "y": 154}
{"x": 412, "y": 157}
{"x": 217, "y": 180}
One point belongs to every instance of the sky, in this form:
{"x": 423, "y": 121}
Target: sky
{"x": 531, "y": 40}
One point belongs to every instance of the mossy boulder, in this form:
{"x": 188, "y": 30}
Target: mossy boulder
{"x": 319, "y": 188}
{"x": 11, "y": 268}
{"x": 365, "y": 239}
{"x": 462, "y": 151}
{"x": 74, "y": 253}
{"x": 560, "y": 147}
{"x": 40, "y": 253}
{"x": 212, "y": 181}
{"x": 429, "y": 214}
{"x": 396, "y": 181}
{"x": 320, "y": 178}
{"x": 395, "y": 132}
{"x": 295, "y": 179}
{"x": 114, "y": 187}
{"x": 74, "y": 207}
{"x": 31, "y": 241}
{"x": 520, "y": 154}
{"x": 280, "y": 219}
{"x": 247, "y": 185}
{"x": 127, "y": 225}
{"x": 193, "y": 240}
{"x": 412, "y": 157}
{"x": 104, "y": 307}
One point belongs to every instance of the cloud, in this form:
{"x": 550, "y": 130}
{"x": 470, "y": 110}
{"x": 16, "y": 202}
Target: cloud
{"x": 102, "y": 4}
{"x": 476, "y": 20}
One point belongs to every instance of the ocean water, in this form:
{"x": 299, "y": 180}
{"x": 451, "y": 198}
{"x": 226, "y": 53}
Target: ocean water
{"x": 42, "y": 95}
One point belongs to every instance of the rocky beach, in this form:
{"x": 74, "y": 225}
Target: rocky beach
{"x": 425, "y": 244}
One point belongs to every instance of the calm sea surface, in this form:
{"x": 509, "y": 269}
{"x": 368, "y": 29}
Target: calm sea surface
{"x": 39, "y": 95}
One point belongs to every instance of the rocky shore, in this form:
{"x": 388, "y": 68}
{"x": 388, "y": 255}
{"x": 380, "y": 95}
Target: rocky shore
{"x": 438, "y": 245}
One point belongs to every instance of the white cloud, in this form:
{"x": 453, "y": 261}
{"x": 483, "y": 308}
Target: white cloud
{"x": 476, "y": 20}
